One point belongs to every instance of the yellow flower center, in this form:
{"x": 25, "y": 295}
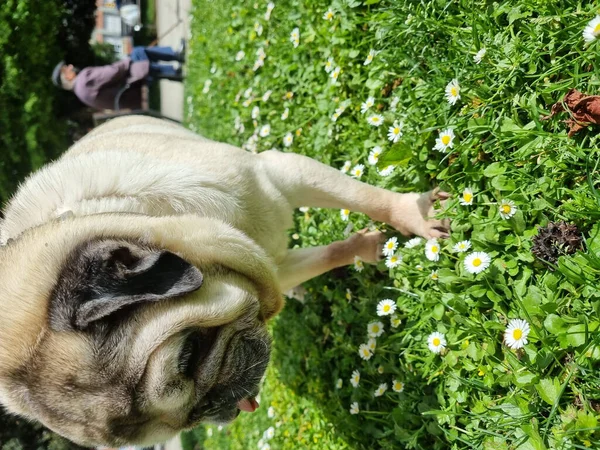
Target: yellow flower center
{"x": 453, "y": 91}
{"x": 396, "y": 130}
{"x": 434, "y": 276}
{"x": 386, "y": 308}
{"x": 597, "y": 29}
{"x": 434, "y": 249}
{"x": 506, "y": 209}
{"x": 369, "y": 57}
{"x": 436, "y": 342}
{"x": 398, "y": 386}
{"x": 375, "y": 328}
{"x": 517, "y": 334}
{"x": 393, "y": 259}
{"x": 467, "y": 196}
{"x": 445, "y": 139}
{"x": 477, "y": 262}
{"x": 365, "y": 351}
{"x": 390, "y": 245}
{"x": 329, "y": 15}
{"x": 346, "y": 212}
{"x": 375, "y": 119}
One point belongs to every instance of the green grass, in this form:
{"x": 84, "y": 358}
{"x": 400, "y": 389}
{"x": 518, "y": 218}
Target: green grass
{"x": 477, "y": 393}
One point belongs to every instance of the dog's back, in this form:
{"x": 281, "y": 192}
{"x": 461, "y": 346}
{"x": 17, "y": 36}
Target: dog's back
{"x": 147, "y": 166}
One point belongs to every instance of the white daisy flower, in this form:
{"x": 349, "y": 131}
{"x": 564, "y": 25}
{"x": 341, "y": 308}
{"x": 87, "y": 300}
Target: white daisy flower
{"x": 436, "y": 342}
{"x": 453, "y": 92}
{"x": 380, "y": 369}
{"x": 386, "y": 171}
{"x": 335, "y": 73}
{"x": 270, "y": 7}
{"x": 375, "y": 329}
{"x": 444, "y": 141}
{"x": 266, "y": 447}
{"x": 395, "y": 132}
{"x": 335, "y": 116}
{"x": 462, "y": 246}
{"x": 397, "y": 386}
{"x": 288, "y": 139}
{"x": 516, "y": 333}
{"x": 285, "y": 113}
{"x": 339, "y": 383}
{"x": 209, "y": 431}
{"x": 357, "y": 171}
{"x": 258, "y": 28}
{"x": 295, "y": 37}
{"x": 267, "y": 95}
{"x": 592, "y": 30}
{"x": 260, "y": 53}
{"x": 271, "y": 412}
{"x": 386, "y": 307}
{"x": 255, "y": 112}
{"x": 354, "y": 408}
{"x": 348, "y": 294}
{"x": 269, "y": 433}
{"x": 258, "y": 64}
{"x": 390, "y": 246}
{"x": 248, "y": 92}
{"x": 434, "y": 275}
{"x": 393, "y": 261}
{"x": 370, "y": 56}
{"x": 375, "y": 119}
{"x": 477, "y": 262}
{"x": 355, "y": 380}
{"x": 365, "y": 352}
{"x": 394, "y": 103}
{"x": 467, "y": 197}
{"x": 372, "y": 344}
{"x": 432, "y": 250}
{"x": 358, "y": 264}
{"x": 344, "y": 214}
{"x": 346, "y": 167}
{"x": 265, "y": 130}
{"x": 364, "y": 106}
{"x": 328, "y": 15}
{"x": 206, "y": 88}
{"x": 240, "y": 55}
{"x": 329, "y": 64}
{"x": 479, "y": 56}
{"x": 419, "y": 267}
{"x": 380, "y": 390}
{"x": 304, "y": 209}
{"x": 395, "y": 321}
{"x": 374, "y": 155}
{"x": 507, "y": 209}
{"x": 412, "y": 243}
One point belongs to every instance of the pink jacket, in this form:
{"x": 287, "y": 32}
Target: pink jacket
{"x": 98, "y": 86}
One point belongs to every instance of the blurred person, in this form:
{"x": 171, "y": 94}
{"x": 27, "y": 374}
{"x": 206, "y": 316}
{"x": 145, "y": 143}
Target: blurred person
{"x": 98, "y": 86}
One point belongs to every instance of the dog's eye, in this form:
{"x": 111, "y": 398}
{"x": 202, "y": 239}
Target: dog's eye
{"x": 195, "y": 348}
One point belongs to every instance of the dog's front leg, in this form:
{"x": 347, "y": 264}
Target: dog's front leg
{"x": 302, "y": 264}
{"x": 306, "y": 182}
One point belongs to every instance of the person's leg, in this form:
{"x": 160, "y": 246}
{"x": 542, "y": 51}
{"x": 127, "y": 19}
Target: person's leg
{"x": 162, "y": 54}
{"x": 158, "y": 71}
{"x": 138, "y": 54}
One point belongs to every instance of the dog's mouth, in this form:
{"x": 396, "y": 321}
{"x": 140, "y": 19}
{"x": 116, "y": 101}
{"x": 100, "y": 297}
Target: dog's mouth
{"x": 242, "y": 368}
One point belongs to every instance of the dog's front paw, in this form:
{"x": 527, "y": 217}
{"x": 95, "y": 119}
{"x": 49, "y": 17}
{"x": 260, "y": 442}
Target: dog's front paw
{"x": 413, "y": 214}
{"x": 367, "y": 245}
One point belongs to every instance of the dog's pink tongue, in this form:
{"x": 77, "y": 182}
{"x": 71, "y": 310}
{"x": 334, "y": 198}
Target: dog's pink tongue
{"x": 248, "y": 404}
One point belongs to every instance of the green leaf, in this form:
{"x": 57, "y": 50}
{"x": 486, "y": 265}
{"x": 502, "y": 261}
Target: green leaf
{"x": 494, "y": 169}
{"x": 524, "y": 379}
{"x": 549, "y": 390}
{"x": 399, "y": 155}
{"x": 555, "y": 324}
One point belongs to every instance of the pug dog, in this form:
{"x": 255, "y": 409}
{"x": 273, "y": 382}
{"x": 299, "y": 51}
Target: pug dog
{"x": 138, "y": 271}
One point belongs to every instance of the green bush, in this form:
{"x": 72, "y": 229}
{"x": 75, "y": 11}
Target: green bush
{"x": 477, "y": 393}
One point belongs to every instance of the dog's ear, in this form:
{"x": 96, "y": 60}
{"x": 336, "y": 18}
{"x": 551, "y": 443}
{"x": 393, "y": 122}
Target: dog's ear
{"x": 103, "y": 277}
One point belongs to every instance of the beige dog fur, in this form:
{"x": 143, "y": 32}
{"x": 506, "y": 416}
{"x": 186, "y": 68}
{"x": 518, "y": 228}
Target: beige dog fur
{"x": 212, "y": 204}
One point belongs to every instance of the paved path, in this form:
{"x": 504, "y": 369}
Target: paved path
{"x": 172, "y": 24}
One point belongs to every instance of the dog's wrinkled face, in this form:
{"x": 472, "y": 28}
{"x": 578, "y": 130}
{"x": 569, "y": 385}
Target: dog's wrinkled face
{"x": 141, "y": 344}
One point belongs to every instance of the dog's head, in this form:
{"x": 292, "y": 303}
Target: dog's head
{"x": 119, "y": 329}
